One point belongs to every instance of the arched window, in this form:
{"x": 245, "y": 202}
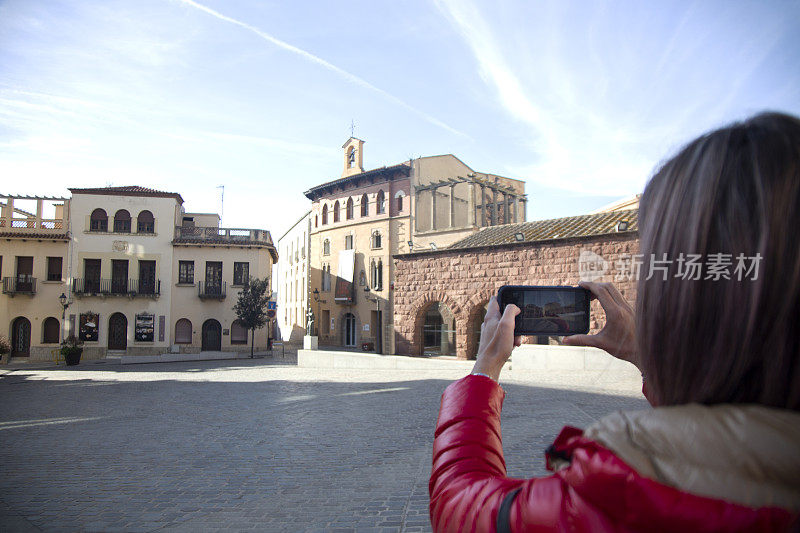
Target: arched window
{"x": 376, "y": 274}
{"x": 324, "y": 214}
{"x": 351, "y": 157}
{"x": 380, "y": 203}
{"x": 145, "y": 223}
{"x": 364, "y": 205}
{"x": 98, "y": 221}
{"x": 336, "y": 211}
{"x": 326, "y": 247}
{"x": 238, "y": 333}
{"x": 122, "y": 221}
{"x": 316, "y": 221}
{"x": 399, "y": 200}
{"x": 183, "y": 331}
{"x": 50, "y": 331}
{"x": 376, "y": 240}
{"x": 349, "y": 209}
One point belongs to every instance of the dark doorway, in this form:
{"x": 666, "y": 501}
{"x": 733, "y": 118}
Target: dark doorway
{"x": 21, "y": 337}
{"x": 147, "y": 277}
{"x": 119, "y": 276}
{"x": 377, "y": 328}
{"x": 349, "y": 330}
{"x": 24, "y": 274}
{"x": 117, "y": 332}
{"x": 212, "y": 336}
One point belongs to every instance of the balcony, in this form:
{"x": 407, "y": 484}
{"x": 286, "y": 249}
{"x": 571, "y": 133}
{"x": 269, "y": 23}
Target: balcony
{"x": 116, "y": 287}
{"x": 19, "y": 285}
{"x": 213, "y": 235}
{"x": 45, "y": 217}
{"x": 211, "y": 291}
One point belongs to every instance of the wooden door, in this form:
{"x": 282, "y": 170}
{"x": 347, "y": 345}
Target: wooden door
{"x": 117, "y": 332}
{"x": 147, "y": 277}
{"x": 21, "y": 337}
{"x": 24, "y": 274}
{"x": 91, "y": 275}
{"x": 212, "y": 336}
{"x": 119, "y": 276}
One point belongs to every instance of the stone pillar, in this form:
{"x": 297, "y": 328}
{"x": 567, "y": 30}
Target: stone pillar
{"x": 524, "y": 209}
{"x": 416, "y": 204}
{"x": 506, "y": 217}
{"x": 433, "y": 208}
{"x": 516, "y": 209}
{"x": 8, "y": 212}
{"x": 39, "y": 211}
{"x": 483, "y": 205}
{"x": 494, "y": 207}
{"x": 452, "y": 206}
{"x": 471, "y": 205}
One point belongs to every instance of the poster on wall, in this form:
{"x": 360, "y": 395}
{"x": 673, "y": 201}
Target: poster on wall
{"x": 88, "y": 326}
{"x": 145, "y": 327}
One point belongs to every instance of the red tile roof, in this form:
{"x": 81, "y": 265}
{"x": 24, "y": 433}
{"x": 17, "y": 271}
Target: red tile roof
{"x": 128, "y": 190}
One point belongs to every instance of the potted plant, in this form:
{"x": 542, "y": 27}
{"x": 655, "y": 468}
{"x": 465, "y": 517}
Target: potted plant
{"x": 72, "y": 349}
{"x": 5, "y": 348}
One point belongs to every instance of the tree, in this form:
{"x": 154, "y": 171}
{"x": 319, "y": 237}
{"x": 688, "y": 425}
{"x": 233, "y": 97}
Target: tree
{"x": 251, "y": 307}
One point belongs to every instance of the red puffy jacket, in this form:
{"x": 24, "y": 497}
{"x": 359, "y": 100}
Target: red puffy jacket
{"x": 597, "y": 491}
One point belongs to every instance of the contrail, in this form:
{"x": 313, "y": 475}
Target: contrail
{"x": 319, "y": 61}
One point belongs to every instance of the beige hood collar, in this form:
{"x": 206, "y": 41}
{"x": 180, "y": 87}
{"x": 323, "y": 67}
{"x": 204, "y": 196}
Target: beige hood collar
{"x": 746, "y": 454}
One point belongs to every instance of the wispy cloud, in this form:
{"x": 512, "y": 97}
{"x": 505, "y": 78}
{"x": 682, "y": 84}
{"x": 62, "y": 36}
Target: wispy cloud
{"x": 352, "y": 78}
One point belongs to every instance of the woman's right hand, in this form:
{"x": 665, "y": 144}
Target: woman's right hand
{"x": 618, "y": 336}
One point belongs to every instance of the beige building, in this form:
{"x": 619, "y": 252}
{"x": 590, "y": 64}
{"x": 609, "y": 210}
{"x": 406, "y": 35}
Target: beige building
{"x": 129, "y": 257}
{"x": 363, "y": 218}
{"x": 291, "y": 280}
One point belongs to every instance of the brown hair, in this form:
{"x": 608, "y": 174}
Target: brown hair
{"x": 734, "y": 191}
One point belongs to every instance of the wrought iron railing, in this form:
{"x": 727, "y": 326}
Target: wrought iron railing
{"x": 216, "y": 290}
{"x": 22, "y": 284}
{"x": 116, "y": 286}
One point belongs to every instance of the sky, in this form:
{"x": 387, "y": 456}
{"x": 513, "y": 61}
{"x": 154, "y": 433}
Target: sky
{"x": 579, "y": 99}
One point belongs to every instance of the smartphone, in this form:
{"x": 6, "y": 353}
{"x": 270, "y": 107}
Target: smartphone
{"x": 547, "y": 310}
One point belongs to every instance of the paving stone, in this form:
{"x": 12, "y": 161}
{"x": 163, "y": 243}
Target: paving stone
{"x": 247, "y": 445}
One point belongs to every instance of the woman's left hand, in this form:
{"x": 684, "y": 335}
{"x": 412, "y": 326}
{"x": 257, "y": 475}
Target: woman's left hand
{"x": 497, "y": 339}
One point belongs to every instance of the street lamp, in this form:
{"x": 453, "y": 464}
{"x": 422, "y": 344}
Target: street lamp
{"x": 64, "y": 304}
{"x": 378, "y": 335}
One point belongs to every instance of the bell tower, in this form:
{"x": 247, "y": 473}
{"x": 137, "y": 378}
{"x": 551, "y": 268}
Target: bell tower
{"x": 353, "y": 157}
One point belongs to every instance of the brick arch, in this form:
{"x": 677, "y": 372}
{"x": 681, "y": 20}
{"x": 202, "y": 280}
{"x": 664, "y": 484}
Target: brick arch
{"x": 421, "y": 307}
{"x": 474, "y": 320}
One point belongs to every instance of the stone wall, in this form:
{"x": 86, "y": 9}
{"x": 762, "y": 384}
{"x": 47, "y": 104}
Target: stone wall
{"x": 464, "y": 280}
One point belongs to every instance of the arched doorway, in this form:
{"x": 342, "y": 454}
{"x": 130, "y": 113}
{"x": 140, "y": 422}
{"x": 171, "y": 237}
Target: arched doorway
{"x": 212, "y": 336}
{"x": 474, "y": 329}
{"x": 349, "y": 332}
{"x": 117, "y": 332}
{"x": 438, "y": 331}
{"x": 21, "y": 337}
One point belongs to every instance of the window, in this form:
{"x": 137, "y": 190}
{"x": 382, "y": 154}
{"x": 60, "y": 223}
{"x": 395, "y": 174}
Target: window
{"x": 349, "y": 209}
{"x": 98, "y": 221}
{"x": 324, "y": 214}
{"x": 145, "y": 223}
{"x": 362, "y": 279}
{"x": 54, "y": 268}
{"x": 326, "y": 247}
{"x": 147, "y": 277}
{"x": 399, "y": 199}
{"x": 351, "y": 157}
{"x": 364, "y": 205}
{"x": 183, "y": 331}
{"x": 377, "y": 240}
{"x": 348, "y": 242}
{"x": 50, "y": 331}
{"x": 376, "y": 274}
{"x": 336, "y": 211}
{"x": 186, "y": 272}
{"x": 316, "y": 221}
{"x": 122, "y": 221}
{"x": 241, "y": 273}
{"x": 326, "y": 278}
{"x": 380, "y": 203}
{"x": 238, "y": 333}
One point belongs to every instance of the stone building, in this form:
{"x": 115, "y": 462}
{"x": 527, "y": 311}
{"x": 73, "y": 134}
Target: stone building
{"x": 440, "y": 296}
{"x": 359, "y": 221}
{"x": 139, "y": 275}
{"x": 291, "y": 280}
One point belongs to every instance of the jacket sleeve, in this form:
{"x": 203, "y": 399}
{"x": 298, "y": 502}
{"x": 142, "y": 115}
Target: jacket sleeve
{"x": 468, "y": 479}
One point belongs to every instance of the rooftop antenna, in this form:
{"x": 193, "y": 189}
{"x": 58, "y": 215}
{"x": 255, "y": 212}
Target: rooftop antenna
{"x": 221, "y": 200}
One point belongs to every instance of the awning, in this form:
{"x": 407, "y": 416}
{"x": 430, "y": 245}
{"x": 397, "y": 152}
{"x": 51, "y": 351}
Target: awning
{"x": 345, "y": 276}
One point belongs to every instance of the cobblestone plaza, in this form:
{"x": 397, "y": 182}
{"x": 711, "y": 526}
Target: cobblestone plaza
{"x": 247, "y": 445}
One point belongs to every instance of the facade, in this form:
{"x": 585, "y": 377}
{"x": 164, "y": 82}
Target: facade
{"x": 441, "y": 296}
{"x": 358, "y": 222}
{"x": 130, "y": 255}
{"x": 291, "y": 279}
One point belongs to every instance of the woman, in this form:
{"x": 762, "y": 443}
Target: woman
{"x": 720, "y": 358}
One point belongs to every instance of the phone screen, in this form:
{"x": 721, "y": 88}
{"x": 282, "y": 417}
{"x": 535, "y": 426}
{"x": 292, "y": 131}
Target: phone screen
{"x": 547, "y": 310}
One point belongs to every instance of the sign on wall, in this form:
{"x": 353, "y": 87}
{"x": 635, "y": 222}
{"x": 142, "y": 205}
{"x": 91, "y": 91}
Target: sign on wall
{"x": 145, "y": 327}
{"x": 88, "y": 326}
